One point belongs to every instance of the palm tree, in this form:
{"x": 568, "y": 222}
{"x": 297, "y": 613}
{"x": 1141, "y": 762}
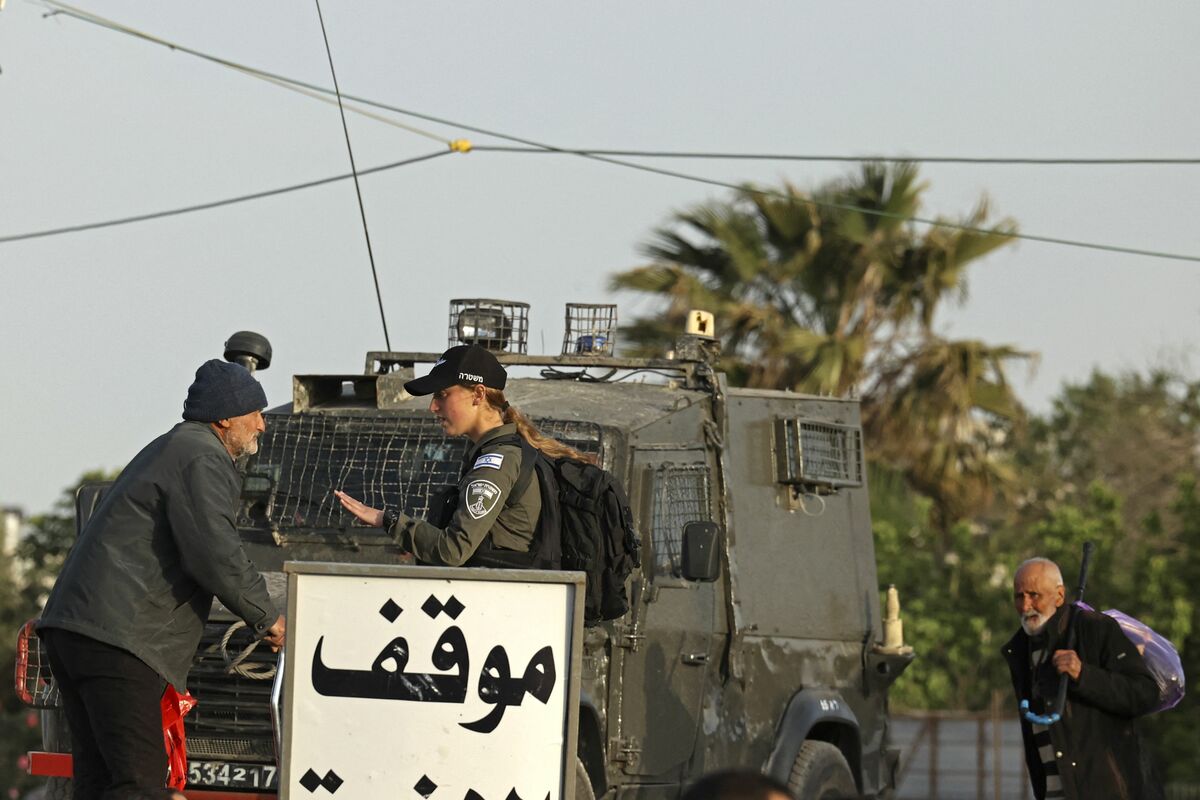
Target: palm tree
{"x": 943, "y": 414}
{"x": 836, "y": 294}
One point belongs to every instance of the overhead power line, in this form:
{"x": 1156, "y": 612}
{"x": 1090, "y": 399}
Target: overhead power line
{"x": 877, "y": 213}
{"x": 295, "y": 187}
{"x": 315, "y": 91}
{"x": 723, "y": 184}
{"x": 717, "y": 156}
{"x": 595, "y": 156}
{"x": 319, "y": 93}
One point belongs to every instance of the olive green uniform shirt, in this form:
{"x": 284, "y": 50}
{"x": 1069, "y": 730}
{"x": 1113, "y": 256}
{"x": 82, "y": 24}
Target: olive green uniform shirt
{"x": 491, "y": 471}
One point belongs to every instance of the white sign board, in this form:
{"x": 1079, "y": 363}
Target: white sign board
{"x": 421, "y": 683}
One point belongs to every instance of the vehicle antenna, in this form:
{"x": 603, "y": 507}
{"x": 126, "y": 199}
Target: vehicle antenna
{"x": 354, "y": 171}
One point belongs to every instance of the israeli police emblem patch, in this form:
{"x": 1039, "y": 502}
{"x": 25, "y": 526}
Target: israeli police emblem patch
{"x": 481, "y": 498}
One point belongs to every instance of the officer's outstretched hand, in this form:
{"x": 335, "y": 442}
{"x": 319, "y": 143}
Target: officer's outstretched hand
{"x": 370, "y": 516}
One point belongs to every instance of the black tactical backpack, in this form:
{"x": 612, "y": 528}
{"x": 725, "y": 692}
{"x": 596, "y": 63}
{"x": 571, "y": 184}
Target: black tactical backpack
{"x": 585, "y": 505}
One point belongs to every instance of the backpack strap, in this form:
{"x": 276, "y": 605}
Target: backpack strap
{"x": 529, "y": 456}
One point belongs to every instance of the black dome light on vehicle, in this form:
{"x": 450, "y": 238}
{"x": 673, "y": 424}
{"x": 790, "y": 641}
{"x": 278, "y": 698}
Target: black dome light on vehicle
{"x": 591, "y": 329}
{"x": 250, "y": 349}
{"x": 498, "y": 325}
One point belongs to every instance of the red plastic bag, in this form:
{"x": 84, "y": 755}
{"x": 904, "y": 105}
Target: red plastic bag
{"x": 174, "y": 708}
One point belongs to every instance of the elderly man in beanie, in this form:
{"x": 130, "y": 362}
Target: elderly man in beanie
{"x": 129, "y": 606}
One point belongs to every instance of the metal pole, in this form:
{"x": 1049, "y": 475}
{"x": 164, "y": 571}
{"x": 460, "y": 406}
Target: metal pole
{"x": 980, "y": 756}
{"x": 913, "y": 749}
{"x": 935, "y": 735}
{"x": 997, "y": 746}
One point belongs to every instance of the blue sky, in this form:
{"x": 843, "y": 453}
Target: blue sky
{"x": 103, "y": 329}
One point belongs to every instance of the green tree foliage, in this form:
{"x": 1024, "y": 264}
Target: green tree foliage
{"x": 24, "y": 584}
{"x": 954, "y": 600}
{"x": 839, "y": 296}
{"x": 1171, "y": 586}
{"x": 1135, "y": 433}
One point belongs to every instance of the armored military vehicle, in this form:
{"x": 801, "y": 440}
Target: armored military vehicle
{"x": 754, "y": 633}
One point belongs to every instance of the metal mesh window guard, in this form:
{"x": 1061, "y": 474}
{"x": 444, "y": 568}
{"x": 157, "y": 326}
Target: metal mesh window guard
{"x": 680, "y": 497}
{"x": 818, "y": 453}
{"x": 590, "y": 329}
{"x": 400, "y": 462}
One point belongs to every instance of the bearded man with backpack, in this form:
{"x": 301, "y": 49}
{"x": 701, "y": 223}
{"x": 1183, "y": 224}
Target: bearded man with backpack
{"x": 1094, "y": 752}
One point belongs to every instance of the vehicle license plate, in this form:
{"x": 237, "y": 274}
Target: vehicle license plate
{"x": 232, "y": 775}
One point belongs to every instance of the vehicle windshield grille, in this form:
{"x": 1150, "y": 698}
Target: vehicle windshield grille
{"x": 232, "y": 717}
{"x": 401, "y": 462}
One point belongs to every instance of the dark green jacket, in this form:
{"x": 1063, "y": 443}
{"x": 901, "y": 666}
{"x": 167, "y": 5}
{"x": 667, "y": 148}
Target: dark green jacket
{"x": 161, "y": 544}
{"x": 490, "y": 470}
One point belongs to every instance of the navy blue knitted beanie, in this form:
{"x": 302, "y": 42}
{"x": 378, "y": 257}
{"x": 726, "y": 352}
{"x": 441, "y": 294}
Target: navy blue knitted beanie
{"x": 222, "y": 390}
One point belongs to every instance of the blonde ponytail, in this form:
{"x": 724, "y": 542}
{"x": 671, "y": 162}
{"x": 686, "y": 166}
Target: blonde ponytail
{"x": 551, "y": 447}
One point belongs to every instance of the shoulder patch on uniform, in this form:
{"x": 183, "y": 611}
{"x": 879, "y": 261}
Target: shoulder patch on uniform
{"x": 481, "y": 498}
{"x": 490, "y": 460}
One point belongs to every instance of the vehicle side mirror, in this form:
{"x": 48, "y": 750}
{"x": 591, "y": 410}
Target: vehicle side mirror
{"x": 700, "y": 562}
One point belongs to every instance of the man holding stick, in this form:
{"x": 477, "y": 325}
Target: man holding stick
{"x": 1094, "y": 752}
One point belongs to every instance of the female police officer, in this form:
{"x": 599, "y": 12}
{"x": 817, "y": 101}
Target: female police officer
{"x": 487, "y": 527}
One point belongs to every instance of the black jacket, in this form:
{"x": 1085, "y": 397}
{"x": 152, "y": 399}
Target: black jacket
{"x": 1095, "y": 744}
{"x": 162, "y": 542}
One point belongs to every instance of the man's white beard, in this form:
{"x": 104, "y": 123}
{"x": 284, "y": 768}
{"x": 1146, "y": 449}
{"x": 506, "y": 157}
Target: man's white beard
{"x": 1034, "y": 623}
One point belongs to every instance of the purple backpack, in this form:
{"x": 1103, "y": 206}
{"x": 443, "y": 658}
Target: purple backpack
{"x": 1159, "y": 654}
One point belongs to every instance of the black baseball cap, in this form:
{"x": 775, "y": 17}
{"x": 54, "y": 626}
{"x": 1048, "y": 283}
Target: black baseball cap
{"x": 466, "y": 363}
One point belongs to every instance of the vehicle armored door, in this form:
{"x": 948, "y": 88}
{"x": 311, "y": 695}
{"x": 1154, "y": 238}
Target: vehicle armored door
{"x": 667, "y": 643}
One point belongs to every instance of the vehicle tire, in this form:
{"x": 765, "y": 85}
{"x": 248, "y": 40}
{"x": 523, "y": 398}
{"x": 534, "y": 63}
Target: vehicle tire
{"x": 57, "y": 789}
{"x": 820, "y": 772}
{"x": 583, "y": 784}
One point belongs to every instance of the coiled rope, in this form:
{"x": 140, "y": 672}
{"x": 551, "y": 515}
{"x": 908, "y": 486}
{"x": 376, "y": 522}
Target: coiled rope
{"x": 236, "y": 665}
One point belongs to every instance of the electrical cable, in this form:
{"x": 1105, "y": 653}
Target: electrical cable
{"x": 713, "y": 182}
{"x": 302, "y": 87}
{"x": 313, "y": 90}
{"x": 649, "y": 371}
{"x": 582, "y": 376}
{"x": 309, "y": 90}
{"x": 362, "y": 211}
{"x": 321, "y": 98}
{"x": 216, "y": 203}
{"x": 540, "y": 146}
{"x": 718, "y": 156}
{"x": 1110, "y": 248}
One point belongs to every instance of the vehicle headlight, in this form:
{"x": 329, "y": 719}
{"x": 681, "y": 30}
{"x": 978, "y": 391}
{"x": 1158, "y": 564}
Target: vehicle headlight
{"x": 485, "y": 327}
